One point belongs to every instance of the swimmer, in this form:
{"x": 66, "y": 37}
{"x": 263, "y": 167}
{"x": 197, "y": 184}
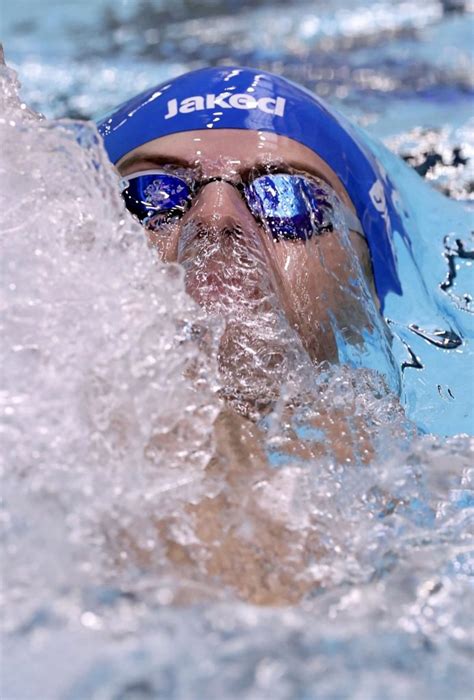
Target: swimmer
{"x": 227, "y": 159}
{"x": 239, "y": 151}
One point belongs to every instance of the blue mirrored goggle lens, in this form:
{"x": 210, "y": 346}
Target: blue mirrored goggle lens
{"x": 148, "y": 194}
{"x": 291, "y": 206}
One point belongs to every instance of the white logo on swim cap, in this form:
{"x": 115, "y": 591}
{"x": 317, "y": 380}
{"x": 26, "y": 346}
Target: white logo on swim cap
{"x": 226, "y": 100}
{"x": 377, "y": 196}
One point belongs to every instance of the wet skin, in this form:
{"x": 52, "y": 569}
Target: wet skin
{"x": 313, "y": 280}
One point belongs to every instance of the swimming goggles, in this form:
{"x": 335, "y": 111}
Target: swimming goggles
{"x": 290, "y": 206}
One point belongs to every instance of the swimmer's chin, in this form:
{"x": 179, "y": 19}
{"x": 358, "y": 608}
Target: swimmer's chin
{"x": 218, "y": 297}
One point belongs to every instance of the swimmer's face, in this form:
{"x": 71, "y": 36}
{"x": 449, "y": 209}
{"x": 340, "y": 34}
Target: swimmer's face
{"x": 312, "y": 279}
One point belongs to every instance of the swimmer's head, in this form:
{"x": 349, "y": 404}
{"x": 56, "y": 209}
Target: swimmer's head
{"x": 244, "y": 149}
{"x": 252, "y": 100}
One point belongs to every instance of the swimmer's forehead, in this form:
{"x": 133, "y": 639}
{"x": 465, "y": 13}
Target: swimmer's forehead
{"x": 230, "y": 152}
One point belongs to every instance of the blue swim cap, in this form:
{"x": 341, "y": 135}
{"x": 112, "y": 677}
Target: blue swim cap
{"x": 244, "y": 98}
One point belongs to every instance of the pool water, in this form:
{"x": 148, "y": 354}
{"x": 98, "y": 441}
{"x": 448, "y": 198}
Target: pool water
{"x": 154, "y": 545}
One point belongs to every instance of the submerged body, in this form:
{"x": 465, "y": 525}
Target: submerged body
{"x": 293, "y": 252}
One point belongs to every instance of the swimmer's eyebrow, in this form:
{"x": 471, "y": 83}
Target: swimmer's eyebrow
{"x": 143, "y": 158}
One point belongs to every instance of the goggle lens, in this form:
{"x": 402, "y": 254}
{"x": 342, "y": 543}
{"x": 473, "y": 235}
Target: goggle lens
{"x": 290, "y": 206}
{"x": 150, "y": 193}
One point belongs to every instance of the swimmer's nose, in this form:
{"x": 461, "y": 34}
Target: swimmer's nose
{"x": 220, "y": 206}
